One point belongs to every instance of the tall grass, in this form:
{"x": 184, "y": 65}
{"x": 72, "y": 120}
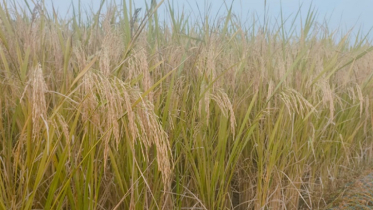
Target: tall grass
{"x": 115, "y": 112}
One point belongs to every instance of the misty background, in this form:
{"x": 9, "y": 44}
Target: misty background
{"x": 341, "y": 15}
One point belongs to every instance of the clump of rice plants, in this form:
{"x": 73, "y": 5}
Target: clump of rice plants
{"x": 123, "y": 111}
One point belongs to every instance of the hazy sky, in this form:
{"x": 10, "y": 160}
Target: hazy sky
{"x": 342, "y": 13}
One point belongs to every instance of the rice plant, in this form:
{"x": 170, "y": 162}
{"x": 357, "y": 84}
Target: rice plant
{"x": 123, "y": 111}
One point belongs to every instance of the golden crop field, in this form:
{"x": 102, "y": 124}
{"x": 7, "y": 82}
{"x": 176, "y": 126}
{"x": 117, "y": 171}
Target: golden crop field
{"x": 117, "y": 112}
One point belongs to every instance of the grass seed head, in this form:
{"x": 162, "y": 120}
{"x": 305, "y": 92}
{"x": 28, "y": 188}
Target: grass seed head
{"x": 38, "y": 101}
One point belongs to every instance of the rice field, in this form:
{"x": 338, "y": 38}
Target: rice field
{"x": 114, "y": 111}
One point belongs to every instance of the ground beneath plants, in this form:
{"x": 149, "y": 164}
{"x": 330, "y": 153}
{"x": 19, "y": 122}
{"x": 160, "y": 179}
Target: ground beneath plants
{"x": 357, "y": 194}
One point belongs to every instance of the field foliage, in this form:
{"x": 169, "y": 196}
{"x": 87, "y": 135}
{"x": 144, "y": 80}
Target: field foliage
{"x": 110, "y": 111}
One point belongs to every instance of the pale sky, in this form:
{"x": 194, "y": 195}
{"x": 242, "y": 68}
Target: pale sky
{"x": 342, "y": 13}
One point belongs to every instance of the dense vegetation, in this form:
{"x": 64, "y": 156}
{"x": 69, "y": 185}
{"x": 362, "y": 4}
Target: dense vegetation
{"x": 116, "y": 112}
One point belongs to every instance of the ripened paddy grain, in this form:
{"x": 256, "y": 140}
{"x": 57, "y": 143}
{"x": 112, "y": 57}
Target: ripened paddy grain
{"x": 109, "y": 111}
